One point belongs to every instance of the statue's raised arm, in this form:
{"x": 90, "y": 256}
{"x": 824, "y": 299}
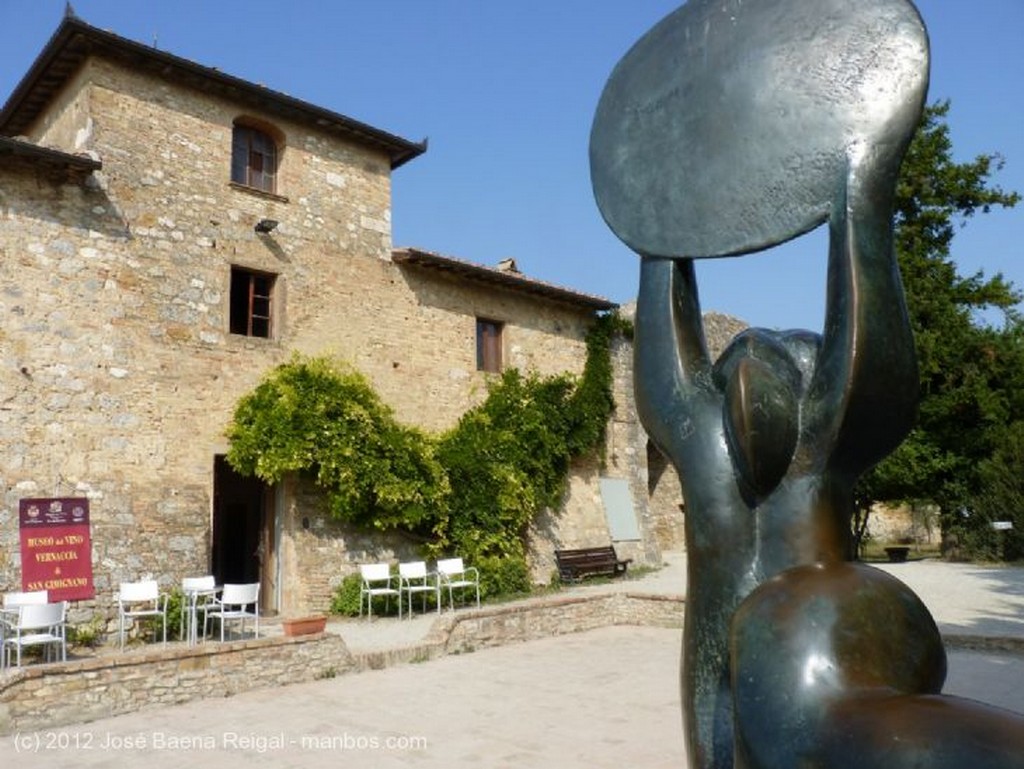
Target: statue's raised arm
{"x": 670, "y": 331}
{"x": 863, "y": 396}
{"x": 733, "y": 126}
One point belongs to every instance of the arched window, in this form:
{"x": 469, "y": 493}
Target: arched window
{"x": 253, "y": 158}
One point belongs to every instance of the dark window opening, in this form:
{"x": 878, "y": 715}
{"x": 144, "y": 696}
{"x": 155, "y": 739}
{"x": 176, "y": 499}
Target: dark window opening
{"x": 252, "y": 295}
{"x": 253, "y": 159}
{"x": 488, "y": 345}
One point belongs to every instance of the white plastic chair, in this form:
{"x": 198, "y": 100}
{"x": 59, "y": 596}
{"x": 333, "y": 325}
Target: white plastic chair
{"x": 199, "y": 593}
{"x": 452, "y": 573}
{"x": 413, "y": 577}
{"x": 136, "y": 600}
{"x": 38, "y": 624}
{"x": 378, "y": 580}
{"x": 12, "y": 603}
{"x": 17, "y": 600}
{"x": 232, "y": 605}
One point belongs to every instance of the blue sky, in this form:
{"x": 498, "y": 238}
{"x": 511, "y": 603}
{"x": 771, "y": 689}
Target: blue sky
{"x": 506, "y": 91}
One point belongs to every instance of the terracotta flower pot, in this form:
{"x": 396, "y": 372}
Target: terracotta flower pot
{"x": 304, "y": 625}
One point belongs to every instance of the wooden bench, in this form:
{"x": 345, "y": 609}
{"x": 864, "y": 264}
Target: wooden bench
{"x": 573, "y": 565}
{"x": 897, "y": 554}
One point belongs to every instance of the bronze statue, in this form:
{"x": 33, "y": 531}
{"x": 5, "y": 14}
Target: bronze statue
{"x": 732, "y": 126}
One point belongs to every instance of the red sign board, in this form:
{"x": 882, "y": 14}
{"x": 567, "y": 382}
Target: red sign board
{"x": 56, "y": 547}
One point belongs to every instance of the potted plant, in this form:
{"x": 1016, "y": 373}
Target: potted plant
{"x": 314, "y": 623}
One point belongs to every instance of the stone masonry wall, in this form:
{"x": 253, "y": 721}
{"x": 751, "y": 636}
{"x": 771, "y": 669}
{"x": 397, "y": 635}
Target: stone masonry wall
{"x": 323, "y": 551}
{"x": 119, "y": 375}
{"x": 653, "y": 479}
{"x": 581, "y": 522}
{"x": 557, "y": 616}
{"x": 86, "y": 690}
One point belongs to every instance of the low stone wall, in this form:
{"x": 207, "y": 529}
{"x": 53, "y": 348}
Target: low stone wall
{"x": 531, "y": 620}
{"x": 468, "y": 630}
{"x": 42, "y": 696}
{"x": 46, "y": 696}
{"x": 979, "y": 643}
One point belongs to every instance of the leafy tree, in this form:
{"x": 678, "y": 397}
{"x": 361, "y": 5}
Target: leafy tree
{"x": 971, "y": 381}
{"x": 1001, "y": 499}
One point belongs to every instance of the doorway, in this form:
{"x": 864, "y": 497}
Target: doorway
{"x": 243, "y": 531}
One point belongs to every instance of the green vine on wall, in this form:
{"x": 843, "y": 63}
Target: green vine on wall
{"x": 320, "y": 418}
{"x": 472, "y": 490}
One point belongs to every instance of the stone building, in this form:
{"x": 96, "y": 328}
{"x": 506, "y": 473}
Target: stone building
{"x": 169, "y": 234}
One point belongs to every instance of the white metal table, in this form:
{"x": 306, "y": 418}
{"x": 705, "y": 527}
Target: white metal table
{"x": 192, "y": 595}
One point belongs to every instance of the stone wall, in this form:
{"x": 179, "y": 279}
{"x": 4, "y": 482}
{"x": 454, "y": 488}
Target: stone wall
{"x": 119, "y": 375}
{"x": 653, "y": 479}
{"x": 910, "y": 524}
{"x": 529, "y": 621}
{"x": 627, "y": 457}
{"x": 582, "y": 521}
{"x": 323, "y": 551}
{"x": 51, "y": 695}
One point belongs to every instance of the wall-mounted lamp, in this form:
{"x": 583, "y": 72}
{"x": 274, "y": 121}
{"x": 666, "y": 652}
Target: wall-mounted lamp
{"x": 266, "y": 225}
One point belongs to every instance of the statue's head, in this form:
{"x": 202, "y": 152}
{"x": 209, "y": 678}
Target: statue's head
{"x": 732, "y": 125}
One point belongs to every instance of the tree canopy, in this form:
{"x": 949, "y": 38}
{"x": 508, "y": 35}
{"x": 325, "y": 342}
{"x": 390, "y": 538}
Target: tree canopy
{"x": 971, "y": 372}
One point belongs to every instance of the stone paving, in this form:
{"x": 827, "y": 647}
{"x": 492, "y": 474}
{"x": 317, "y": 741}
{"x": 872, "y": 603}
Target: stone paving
{"x": 603, "y": 698}
{"x": 967, "y": 599}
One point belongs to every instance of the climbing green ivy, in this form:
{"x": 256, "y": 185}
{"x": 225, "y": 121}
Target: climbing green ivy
{"x": 317, "y": 417}
{"x": 473, "y": 490}
{"x": 508, "y": 458}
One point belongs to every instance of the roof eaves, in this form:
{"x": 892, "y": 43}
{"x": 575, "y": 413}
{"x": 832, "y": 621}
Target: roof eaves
{"x": 48, "y": 156}
{"x": 510, "y": 280}
{"x": 74, "y": 41}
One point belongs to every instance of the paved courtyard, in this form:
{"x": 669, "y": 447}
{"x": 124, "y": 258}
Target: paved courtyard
{"x": 604, "y": 698}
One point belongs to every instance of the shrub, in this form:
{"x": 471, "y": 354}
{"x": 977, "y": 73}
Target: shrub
{"x": 88, "y": 635}
{"x": 503, "y": 577}
{"x": 346, "y": 596}
{"x": 345, "y": 600}
{"x": 177, "y": 604}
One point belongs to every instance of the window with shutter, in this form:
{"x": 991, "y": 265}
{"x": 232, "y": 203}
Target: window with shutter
{"x": 488, "y": 345}
{"x": 253, "y": 158}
